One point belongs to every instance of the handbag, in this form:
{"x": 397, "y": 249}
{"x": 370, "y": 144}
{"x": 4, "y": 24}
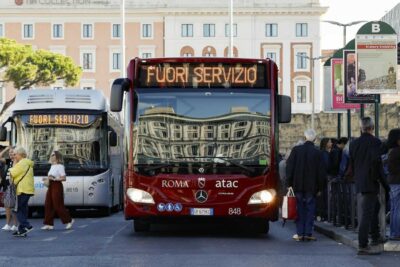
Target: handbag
{"x": 46, "y": 182}
{"x": 289, "y": 206}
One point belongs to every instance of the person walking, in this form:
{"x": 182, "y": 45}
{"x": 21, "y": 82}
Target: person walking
{"x": 365, "y": 160}
{"x": 322, "y": 200}
{"x": 9, "y": 197}
{"x": 393, "y": 143}
{"x": 22, "y": 176}
{"x": 54, "y": 203}
{"x": 305, "y": 172}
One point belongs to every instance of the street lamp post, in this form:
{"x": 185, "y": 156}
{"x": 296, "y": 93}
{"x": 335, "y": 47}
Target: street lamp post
{"x": 345, "y": 25}
{"x": 231, "y": 29}
{"x": 312, "y": 60}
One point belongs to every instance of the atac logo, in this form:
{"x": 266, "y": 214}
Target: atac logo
{"x": 201, "y": 182}
{"x": 19, "y": 2}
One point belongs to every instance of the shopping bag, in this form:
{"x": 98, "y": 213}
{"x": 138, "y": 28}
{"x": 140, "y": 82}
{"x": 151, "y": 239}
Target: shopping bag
{"x": 289, "y": 209}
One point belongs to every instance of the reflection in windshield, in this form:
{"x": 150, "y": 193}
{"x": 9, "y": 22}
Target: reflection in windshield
{"x": 185, "y": 128}
{"x": 82, "y": 147}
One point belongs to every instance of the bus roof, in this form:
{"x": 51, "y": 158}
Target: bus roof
{"x": 39, "y": 99}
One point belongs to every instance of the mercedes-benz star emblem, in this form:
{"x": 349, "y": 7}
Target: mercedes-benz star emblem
{"x": 201, "y": 182}
{"x": 201, "y": 196}
{"x": 201, "y": 170}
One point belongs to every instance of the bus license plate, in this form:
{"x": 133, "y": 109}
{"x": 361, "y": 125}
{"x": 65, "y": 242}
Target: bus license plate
{"x": 201, "y": 211}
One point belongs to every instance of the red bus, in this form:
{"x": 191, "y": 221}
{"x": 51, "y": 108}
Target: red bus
{"x": 201, "y": 139}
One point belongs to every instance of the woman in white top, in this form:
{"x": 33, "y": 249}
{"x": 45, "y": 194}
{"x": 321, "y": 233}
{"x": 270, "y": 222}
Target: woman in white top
{"x": 54, "y": 203}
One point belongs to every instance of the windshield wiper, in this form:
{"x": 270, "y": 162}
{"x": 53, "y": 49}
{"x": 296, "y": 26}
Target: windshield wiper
{"x": 219, "y": 159}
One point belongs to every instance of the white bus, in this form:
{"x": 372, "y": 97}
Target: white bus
{"x": 79, "y": 124}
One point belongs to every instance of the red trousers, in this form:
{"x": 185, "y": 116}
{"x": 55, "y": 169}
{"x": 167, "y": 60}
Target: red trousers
{"x": 54, "y": 204}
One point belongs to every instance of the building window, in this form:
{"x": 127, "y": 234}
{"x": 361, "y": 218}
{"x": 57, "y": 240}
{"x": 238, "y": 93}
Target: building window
{"x": 301, "y": 60}
{"x": 228, "y": 30}
{"x": 116, "y": 31}
{"x": 146, "y": 31}
{"x": 187, "y": 30}
{"x": 301, "y": 94}
{"x": 87, "y": 61}
{"x": 87, "y": 88}
{"x": 116, "y": 61}
{"x": 146, "y": 55}
{"x": 87, "y": 31}
{"x": 301, "y": 29}
{"x": 58, "y": 31}
{"x": 271, "y": 55}
{"x": 1, "y": 30}
{"x": 187, "y": 55}
{"x": 271, "y": 30}
{"x": 28, "y": 31}
{"x": 209, "y": 30}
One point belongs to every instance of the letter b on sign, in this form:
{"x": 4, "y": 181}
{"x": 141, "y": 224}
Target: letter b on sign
{"x": 375, "y": 28}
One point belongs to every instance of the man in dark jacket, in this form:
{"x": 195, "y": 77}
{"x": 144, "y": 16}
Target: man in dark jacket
{"x": 365, "y": 159}
{"x": 305, "y": 174}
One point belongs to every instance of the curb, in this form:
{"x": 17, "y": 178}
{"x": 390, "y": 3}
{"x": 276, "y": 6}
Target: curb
{"x": 348, "y": 237}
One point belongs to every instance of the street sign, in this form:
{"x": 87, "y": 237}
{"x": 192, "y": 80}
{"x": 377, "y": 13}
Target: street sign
{"x": 376, "y": 50}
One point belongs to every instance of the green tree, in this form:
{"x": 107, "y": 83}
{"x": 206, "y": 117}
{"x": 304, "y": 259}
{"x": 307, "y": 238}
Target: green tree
{"x": 24, "y": 67}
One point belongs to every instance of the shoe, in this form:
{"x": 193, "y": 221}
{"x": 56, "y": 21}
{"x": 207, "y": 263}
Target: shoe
{"x": 19, "y": 234}
{"x": 47, "y": 227}
{"x": 28, "y": 229}
{"x": 378, "y": 241}
{"x": 14, "y": 228}
{"x": 6, "y": 228}
{"x": 69, "y": 225}
{"x": 368, "y": 251}
{"x": 298, "y": 238}
{"x": 310, "y": 238}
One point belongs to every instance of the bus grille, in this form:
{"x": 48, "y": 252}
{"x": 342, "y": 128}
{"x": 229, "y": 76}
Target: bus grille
{"x": 78, "y": 99}
{"x": 36, "y": 99}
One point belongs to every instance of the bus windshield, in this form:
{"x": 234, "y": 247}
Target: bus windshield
{"x": 81, "y": 139}
{"x": 212, "y": 129}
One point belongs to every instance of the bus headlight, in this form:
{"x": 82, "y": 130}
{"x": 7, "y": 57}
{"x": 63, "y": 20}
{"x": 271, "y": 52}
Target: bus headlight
{"x": 139, "y": 196}
{"x": 262, "y": 197}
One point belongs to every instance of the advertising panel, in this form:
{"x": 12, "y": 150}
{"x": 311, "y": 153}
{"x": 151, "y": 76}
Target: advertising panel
{"x": 351, "y": 96}
{"x": 338, "y": 86}
{"x": 377, "y": 62}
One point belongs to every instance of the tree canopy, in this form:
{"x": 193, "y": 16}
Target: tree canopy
{"x": 25, "y": 67}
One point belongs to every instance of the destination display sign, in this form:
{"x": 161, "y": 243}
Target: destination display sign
{"x": 81, "y": 120}
{"x": 202, "y": 75}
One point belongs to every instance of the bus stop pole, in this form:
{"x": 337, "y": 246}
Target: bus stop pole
{"x": 361, "y": 111}
{"x": 349, "y": 123}
{"x": 339, "y": 125}
{"x": 377, "y": 119}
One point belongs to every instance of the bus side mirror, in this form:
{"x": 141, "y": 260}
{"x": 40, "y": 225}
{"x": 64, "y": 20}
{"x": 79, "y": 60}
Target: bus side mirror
{"x": 117, "y": 93}
{"x": 284, "y": 109}
{"x": 3, "y": 134}
{"x": 113, "y": 139}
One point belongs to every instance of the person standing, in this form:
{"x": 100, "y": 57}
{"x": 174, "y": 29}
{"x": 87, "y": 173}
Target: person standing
{"x": 305, "y": 172}
{"x": 54, "y": 203}
{"x": 393, "y": 143}
{"x": 22, "y": 176}
{"x": 365, "y": 160}
{"x": 9, "y": 198}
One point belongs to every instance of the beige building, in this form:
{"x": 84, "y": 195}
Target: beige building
{"x": 89, "y": 31}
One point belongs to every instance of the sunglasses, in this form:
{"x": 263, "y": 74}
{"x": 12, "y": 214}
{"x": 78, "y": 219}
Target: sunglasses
{"x": 52, "y": 155}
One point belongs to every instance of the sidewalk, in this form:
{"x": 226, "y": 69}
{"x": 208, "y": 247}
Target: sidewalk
{"x": 348, "y": 237}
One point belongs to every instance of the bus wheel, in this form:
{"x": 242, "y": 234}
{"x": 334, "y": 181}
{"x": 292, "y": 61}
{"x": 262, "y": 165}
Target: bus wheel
{"x": 141, "y": 226}
{"x": 105, "y": 211}
{"x": 260, "y": 226}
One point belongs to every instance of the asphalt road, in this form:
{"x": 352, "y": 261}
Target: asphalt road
{"x": 110, "y": 241}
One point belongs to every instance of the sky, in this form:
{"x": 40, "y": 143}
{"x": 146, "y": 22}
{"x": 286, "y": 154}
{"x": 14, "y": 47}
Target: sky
{"x": 345, "y": 11}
